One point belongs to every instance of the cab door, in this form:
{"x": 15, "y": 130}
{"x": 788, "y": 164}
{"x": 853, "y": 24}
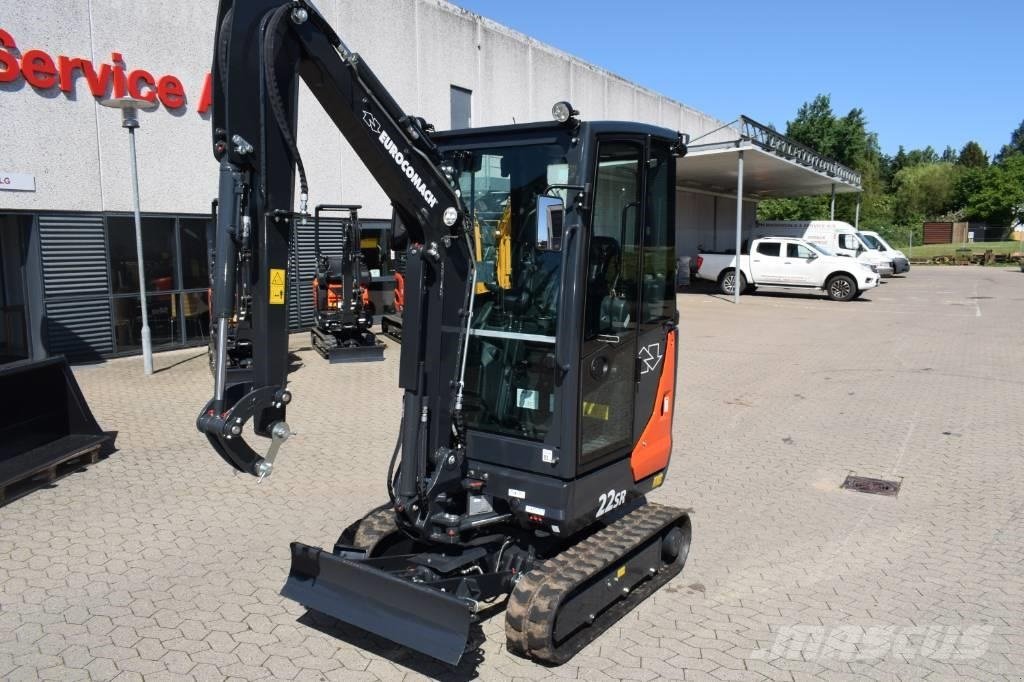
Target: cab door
{"x": 612, "y": 286}
{"x": 766, "y": 263}
{"x": 802, "y": 265}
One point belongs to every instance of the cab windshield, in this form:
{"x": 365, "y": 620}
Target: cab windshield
{"x": 510, "y": 376}
{"x": 873, "y": 242}
{"x": 820, "y": 249}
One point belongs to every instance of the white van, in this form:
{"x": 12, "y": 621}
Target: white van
{"x": 900, "y": 263}
{"x": 834, "y": 235}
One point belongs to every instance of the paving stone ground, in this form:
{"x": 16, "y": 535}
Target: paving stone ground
{"x": 159, "y": 563}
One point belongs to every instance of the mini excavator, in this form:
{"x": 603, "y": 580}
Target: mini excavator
{"x": 537, "y": 406}
{"x": 341, "y": 298}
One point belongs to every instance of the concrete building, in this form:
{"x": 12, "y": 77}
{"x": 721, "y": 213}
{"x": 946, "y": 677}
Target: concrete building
{"x": 68, "y": 249}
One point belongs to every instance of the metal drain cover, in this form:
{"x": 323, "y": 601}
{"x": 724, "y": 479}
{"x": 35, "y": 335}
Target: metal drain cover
{"x": 872, "y": 486}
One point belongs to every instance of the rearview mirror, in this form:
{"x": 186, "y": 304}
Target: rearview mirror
{"x": 550, "y": 212}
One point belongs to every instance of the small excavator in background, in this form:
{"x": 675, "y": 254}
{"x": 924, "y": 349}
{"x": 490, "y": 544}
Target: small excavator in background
{"x": 341, "y": 298}
{"x": 397, "y": 250}
{"x": 537, "y": 409}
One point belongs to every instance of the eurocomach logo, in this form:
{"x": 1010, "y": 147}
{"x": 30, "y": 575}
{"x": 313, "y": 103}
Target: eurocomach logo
{"x": 44, "y": 72}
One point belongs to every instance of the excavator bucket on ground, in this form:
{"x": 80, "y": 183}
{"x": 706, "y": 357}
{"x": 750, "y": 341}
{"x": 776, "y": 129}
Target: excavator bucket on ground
{"x": 46, "y": 423}
{"x": 369, "y": 594}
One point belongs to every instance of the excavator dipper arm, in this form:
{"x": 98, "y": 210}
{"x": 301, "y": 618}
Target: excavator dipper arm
{"x": 263, "y": 48}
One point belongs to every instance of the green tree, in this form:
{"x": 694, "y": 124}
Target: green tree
{"x": 972, "y": 156}
{"x": 948, "y": 155}
{"x": 815, "y": 125}
{"x": 917, "y": 157}
{"x": 794, "y": 208}
{"x": 899, "y": 162}
{"x": 997, "y": 196}
{"x": 1016, "y": 145}
{"x": 924, "y": 191}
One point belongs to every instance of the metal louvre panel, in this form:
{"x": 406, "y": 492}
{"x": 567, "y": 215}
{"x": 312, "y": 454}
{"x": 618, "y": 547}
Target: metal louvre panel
{"x": 74, "y": 255}
{"x": 302, "y": 268}
{"x": 79, "y": 328}
{"x": 75, "y": 285}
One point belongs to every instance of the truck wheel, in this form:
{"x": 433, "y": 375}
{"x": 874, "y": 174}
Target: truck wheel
{"x": 728, "y": 281}
{"x": 841, "y": 288}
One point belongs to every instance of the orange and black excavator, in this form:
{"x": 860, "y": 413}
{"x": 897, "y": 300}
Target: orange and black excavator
{"x": 341, "y": 295}
{"x": 537, "y": 409}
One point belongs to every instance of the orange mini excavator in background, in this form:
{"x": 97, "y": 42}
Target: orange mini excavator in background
{"x": 537, "y": 409}
{"x": 341, "y": 295}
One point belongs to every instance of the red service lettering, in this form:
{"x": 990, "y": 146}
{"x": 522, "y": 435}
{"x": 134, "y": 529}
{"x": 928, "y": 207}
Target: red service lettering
{"x": 8, "y": 62}
{"x": 206, "y": 100}
{"x": 38, "y": 69}
{"x": 98, "y": 84}
{"x": 120, "y": 82}
{"x": 43, "y": 72}
{"x": 171, "y": 91}
{"x": 67, "y": 66}
{"x": 146, "y": 79}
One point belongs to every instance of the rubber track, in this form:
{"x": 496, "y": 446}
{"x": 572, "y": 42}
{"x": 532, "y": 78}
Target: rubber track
{"x": 323, "y": 344}
{"x": 373, "y": 528}
{"x": 532, "y": 608}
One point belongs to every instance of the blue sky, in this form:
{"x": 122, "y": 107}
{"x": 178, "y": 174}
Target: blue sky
{"x": 939, "y": 72}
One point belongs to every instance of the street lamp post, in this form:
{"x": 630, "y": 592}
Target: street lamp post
{"x": 130, "y": 107}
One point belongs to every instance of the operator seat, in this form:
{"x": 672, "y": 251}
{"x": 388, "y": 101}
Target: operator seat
{"x": 330, "y": 271}
{"x": 604, "y": 252}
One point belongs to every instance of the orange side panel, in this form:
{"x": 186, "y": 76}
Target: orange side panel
{"x": 399, "y": 292}
{"x": 334, "y": 295}
{"x": 654, "y": 448}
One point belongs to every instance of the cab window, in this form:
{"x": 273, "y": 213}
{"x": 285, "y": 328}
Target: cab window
{"x": 797, "y": 251}
{"x": 848, "y": 241}
{"x": 769, "y": 249}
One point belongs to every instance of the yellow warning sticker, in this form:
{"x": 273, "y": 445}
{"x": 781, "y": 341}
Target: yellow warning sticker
{"x": 276, "y": 286}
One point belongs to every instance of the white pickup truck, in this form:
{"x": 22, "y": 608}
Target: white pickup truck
{"x": 789, "y": 262}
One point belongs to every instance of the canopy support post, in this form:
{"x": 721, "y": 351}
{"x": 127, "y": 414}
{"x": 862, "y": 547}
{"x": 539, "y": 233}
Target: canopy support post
{"x": 739, "y": 227}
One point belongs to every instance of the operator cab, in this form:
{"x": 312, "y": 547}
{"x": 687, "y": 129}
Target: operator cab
{"x": 574, "y": 293}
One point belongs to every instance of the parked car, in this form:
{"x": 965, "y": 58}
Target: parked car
{"x": 789, "y": 262}
{"x": 900, "y": 263}
{"x": 838, "y": 237}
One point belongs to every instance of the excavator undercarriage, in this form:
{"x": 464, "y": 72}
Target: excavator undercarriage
{"x": 538, "y": 355}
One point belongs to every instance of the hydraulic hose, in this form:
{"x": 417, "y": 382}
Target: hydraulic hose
{"x": 274, "y": 96}
{"x": 394, "y": 458}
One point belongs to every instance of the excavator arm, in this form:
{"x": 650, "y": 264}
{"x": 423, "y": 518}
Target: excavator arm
{"x": 262, "y": 49}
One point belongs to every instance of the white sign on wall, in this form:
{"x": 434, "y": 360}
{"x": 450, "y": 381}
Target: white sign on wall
{"x": 22, "y": 182}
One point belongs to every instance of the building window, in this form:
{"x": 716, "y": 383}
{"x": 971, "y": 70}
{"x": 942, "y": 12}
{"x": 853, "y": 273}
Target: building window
{"x": 462, "y": 107}
{"x": 159, "y": 254}
{"x": 174, "y": 252}
{"x": 195, "y": 271}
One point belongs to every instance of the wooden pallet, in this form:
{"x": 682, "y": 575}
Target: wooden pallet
{"x": 16, "y": 483}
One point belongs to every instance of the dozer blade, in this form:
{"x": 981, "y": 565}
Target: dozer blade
{"x": 422, "y": 618}
{"x": 356, "y": 353}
